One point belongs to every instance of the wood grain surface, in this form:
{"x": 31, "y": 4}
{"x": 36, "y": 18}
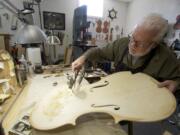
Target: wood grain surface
{"x": 124, "y": 96}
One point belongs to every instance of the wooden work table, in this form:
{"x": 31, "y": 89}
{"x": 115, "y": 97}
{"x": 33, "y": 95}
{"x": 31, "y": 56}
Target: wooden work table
{"x": 37, "y": 87}
{"x": 8, "y": 103}
{"x": 16, "y": 105}
{"x": 12, "y": 115}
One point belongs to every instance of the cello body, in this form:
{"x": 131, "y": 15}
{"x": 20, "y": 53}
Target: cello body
{"x": 123, "y": 95}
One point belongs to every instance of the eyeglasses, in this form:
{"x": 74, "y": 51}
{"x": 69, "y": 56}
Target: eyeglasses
{"x": 139, "y": 44}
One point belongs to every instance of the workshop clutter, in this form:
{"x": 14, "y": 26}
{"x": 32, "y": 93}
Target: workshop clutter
{"x": 21, "y": 127}
{"x": 8, "y": 82}
{"x": 21, "y": 70}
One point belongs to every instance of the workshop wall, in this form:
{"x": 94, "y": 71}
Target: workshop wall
{"x": 139, "y": 8}
{"x": 128, "y": 13}
{"x": 115, "y": 27}
{"x": 8, "y": 20}
{"x": 62, "y": 6}
{"x": 68, "y": 7}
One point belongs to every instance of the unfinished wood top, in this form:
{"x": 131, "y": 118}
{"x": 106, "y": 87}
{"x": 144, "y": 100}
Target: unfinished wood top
{"x": 124, "y": 96}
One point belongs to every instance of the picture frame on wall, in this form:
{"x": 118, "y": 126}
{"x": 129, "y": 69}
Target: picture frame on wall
{"x": 54, "y": 20}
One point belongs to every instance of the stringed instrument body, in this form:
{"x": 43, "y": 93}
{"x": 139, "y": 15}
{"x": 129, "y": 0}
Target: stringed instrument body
{"x": 99, "y": 27}
{"x": 106, "y": 26}
{"x": 123, "y": 95}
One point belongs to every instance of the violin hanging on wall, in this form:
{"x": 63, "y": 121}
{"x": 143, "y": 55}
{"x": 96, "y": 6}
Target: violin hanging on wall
{"x": 99, "y": 26}
{"x": 106, "y": 26}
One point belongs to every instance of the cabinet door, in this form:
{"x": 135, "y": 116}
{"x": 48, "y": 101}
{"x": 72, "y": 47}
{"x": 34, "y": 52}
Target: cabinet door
{"x": 2, "y": 44}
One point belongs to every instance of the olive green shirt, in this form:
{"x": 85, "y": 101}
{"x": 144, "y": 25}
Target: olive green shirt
{"x": 163, "y": 64}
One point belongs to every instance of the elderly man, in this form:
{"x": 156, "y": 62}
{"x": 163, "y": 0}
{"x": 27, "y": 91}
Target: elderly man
{"x": 143, "y": 52}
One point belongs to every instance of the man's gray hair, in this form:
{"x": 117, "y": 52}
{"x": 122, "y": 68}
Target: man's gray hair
{"x": 155, "y": 22}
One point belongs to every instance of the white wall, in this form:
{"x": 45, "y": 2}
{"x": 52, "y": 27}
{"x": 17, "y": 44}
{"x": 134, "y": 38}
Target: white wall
{"x": 139, "y": 8}
{"x": 62, "y": 6}
{"x": 6, "y": 23}
{"x": 120, "y": 7}
{"x": 68, "y": 6}
{"x": 120, "y": 21}
{"x": 128, "y": 16}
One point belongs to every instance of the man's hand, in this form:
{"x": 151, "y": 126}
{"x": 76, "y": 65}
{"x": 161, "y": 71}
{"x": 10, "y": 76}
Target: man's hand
{"x": 170, "y": 84}
{"x": 78, "y": 63}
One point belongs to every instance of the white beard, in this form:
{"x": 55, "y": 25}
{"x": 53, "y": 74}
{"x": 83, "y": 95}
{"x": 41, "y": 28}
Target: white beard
{"x": 140, "y": 54}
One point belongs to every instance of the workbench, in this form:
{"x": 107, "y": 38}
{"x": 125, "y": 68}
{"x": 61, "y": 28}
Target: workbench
{"x": 39, "y": 86}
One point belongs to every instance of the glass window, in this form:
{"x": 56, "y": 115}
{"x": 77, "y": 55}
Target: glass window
{"x": 94, "y": 7}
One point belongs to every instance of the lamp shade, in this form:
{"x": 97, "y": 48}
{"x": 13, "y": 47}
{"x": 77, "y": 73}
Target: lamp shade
{"x": 30, "y": 34}
{"x": 53, "y": 40}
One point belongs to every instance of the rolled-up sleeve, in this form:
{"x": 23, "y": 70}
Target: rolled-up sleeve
{"x": 109, "y": 52}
